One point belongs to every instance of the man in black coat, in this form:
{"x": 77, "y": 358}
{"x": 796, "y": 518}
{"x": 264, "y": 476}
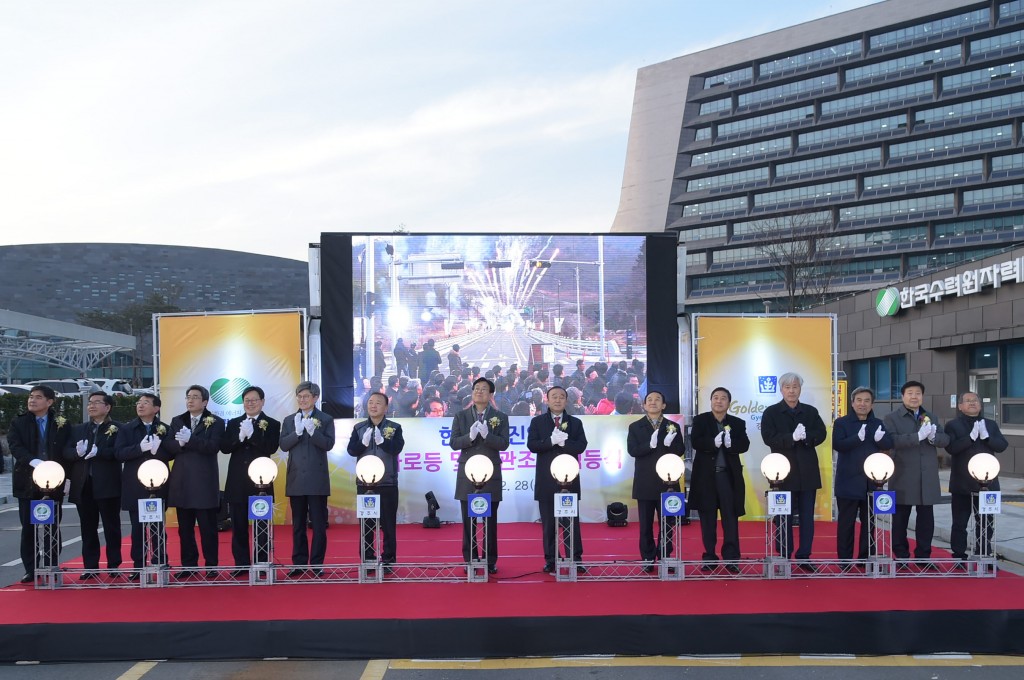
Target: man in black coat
{"x": 194, "y": 485}
{"x": 716, "y": 483}
{"x": 378, "y": 436}
{"x": 970, "y": 433}
{"x": 38, "y": 434}
{"x": 794, "y": 429}
{"x": 551, "y": 434}
{"x": 138, "y": 441}
{"x": 649, "y": 439}
{"x": 251, "y": 435}
{"x": 96, "y": 483}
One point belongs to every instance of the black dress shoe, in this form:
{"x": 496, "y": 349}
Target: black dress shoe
{"x": 88, "y": 576}
{"x": 549, "y": 567}
{"x": 296, "y": 573}
{"x": 807, "y": 567}
{"x": 707, "y": 567}
{"x": 580, "y": 569}
{"x": 27, "y": 578}
{"x": 185, "y": 575}
{"x": 492, "y": 569}
{"x": 649, "y": 568}
{"x": 317, "y": 573}
{"x": 132, "y": 576}
{"x": 732, "y": 569}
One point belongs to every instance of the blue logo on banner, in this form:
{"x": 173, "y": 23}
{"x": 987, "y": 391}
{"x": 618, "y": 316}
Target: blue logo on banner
{"x": 152, "y": 505}
{"x": 369, "y": 502}
{"x": 567, "y": 500}
{"x": 673, "y": 504}
{"x": 885, "y": 502}
{"x": 42, "y": 512}
{"x": 479, "y": 505}
{"x": 767, "y": 384}
{"x": 261, "y": 507}
{"x": 990, "y": 498}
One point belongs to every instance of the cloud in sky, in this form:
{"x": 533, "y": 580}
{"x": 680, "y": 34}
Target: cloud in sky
{"x": 256, "y": 125}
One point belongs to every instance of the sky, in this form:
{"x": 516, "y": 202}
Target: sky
{"x": 255, "y": 125}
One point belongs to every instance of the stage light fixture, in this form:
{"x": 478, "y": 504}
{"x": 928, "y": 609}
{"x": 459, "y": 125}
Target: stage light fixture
{"x": 617, "y": 514}
{"x": 565, "y": 469}
{"x": 262, "y": 471}
{"x": 879, "y": 468}
{"x": 48, "y": 476}
{"x": 775, "y": 468}
{"x": 479, "y": 470}
{"x": 984, "y": 467}
{"x": 153, "y": 474}
{"x": 370, "y": 470}
{"x": 670, "y": 468}
{"x": 431, "y": 521}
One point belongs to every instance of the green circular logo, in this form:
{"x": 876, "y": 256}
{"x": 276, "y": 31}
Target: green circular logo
{"x": 225, "y": 391}
{"x": 887, "y": 302}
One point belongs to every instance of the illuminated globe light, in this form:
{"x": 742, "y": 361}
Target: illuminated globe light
{"x": 262, "y": 471}
{"x": 565, "y": 468}
{"x": 887, "y": 302}
{"x": 398, "y": 319}
{"x": 879, "y": 467}
{"x": 670, "y": 468}
{"x": 479, "y": 469}
{"x": 48, "y": 475}
{"x": 153, "y": 474}
{"x": 370, "y": 470}
{"x": 425, "y": 316}
{"x": 775, "y": 467}
{"x": 984, "y": 467}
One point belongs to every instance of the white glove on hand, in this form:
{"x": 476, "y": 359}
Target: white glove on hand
{"x": 879, "y": 433}
{"x": 728, "y": 440}
{"x": 983, "y": 430}
{"x": 720, "y": 439}
{"x": 92, "y": 453}
{"x": 82, "y": 447}
{"x": 654, "y": 439}
{"x": 155, "y": 444}
{"x": 146, "y": 445}
{"x": 245, "y": 429}
{"x": 976, "y": 430}
{"x": 800, "y": 433}
{"x": 183, "y": 435}
{"x": 862, "y": 432}
{"x": 670, "y": 437}
{"x": 925, "y": 432}
{"x": 483, "y": 429}
{"x": 308, "y": 425}
{"x": 378, "y": 437}
{"x": 298, "y": 423}
{"x": 35, "y": 462}
{"x": 367, "y": 434}
{"x": 558, "y": 438}
{"x": 473, "y": 430}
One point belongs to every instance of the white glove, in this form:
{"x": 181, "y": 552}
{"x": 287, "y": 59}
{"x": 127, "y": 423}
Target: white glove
{"x": 976, "y": 430}
{"x": 983, "y": 430}
{"x": 146, "y": 444}
{"x": 482, "y": 429}
{"x": 309, "y": 426}
{"x": 378, "y": 437}
{"x": 925, "y": 432}
{"x": 472, "y": 430}
{"x": 92, "y": 453}
{"x": 35, "y": 462}
{"x": 879, "y": 433}
{"x": 558, "y": 438}
{"x": 720, "y": 439}
{"x": 862, "y": 432}
{"x": 670, "y": 437}
{"x": 183, "y": 435}
{"x": 367, "y": 434}
{"x": 82, "y": 447}
{"x": 245, "y": 429}
{"x": 298, "y": 423}
{"x": 728, "y": 440}
{"x": 800, "y": 433}
{"x": 654, "y": 439}
{"x": 155, "y": 444}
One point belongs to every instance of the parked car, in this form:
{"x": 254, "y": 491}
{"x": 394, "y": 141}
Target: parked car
{"x": 67, "y": 387}
{"x": 114, "y": 386}
{"x": 14, "y": 389}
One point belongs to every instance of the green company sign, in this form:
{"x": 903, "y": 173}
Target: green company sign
{"x": 887, "y": 302}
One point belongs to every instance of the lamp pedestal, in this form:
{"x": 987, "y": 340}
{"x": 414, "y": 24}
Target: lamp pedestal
{"x": 673, "y": 509}
{"x": 261, "y": 527}
{"x": 154, "y": 543}
{"x": 478, "y": 506}
{"x": 987, "y": 504}
{"x": 881, "y": 506}
{"x": 46, "y": 519}
{"x": 776, "y": 533}
{"x": 566, "y": 516}
{"x": 371, "y": 543}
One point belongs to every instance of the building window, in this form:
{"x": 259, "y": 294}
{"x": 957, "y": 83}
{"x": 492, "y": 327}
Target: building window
{"x": 716, "y": 105}
{"x": 740, "y": 75}
{"x": 767, "y": 123}
{"x": 929, "y": 30}
{"x": 903, "y": 64}
{"x": 885, "y": 375}
{"x": 1004, "y": 104}
{"x": 770, "y": 94}
{"x": 732, "y": 153}
{"x": 904, "y": 93}
{"x": 824, "y": 55}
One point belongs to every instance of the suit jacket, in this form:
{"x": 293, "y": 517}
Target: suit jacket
{"x": 962, "y": 448}
{"x": 647, "y": 486}
{"x": 387, "y": 451}
{"x": 702, "y": 478}
{"x": 126, "y": 449}
{"x": 195, "y": 479}
{"x": 104, "y": 468}
{"x": 492, "y": 445}
{"x": 454, "y": 362}
{"x": 23, "y": 438}
{"x": 851, "y": 483}
{"x": 916, "y": 478}
{"x": 308, "y": 474}
{"x": 538, "y": 440}
{"x": 778, "y": 423}
{"x": 262, "y": 444}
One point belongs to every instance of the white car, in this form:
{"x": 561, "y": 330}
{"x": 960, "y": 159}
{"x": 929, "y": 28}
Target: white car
{"x": 114, "y": 386}
{"x": 15, "y": 389}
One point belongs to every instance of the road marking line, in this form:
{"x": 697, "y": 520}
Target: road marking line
{"x": 375, "y": 669}
{"x": 138, "y": 670}
{"x": 934, "y": 660}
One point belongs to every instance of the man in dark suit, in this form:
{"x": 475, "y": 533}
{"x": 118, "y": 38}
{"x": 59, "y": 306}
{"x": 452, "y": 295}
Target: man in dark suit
{"x": 378, "y": 436}
{"x": 480, "y": 429}
{"x": 716, "y": 482}
{"x": 552, "y": 434}
{"x": 251, "y": 435}
{"x": 37, "y": 435}
{"x": 96, "y": 483}
{"x": 307, "y": 436}
{"x": 970, "y": 433}
{"x": 649, "y": 439}
{"x": 194, "y": 484}
{"x": 794, "y": 429}
{"x": 137, "y": 442}
{"x": 454, "y": 361}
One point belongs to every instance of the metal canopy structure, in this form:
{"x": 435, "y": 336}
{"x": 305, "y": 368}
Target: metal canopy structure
{"x": 24, "y": 337}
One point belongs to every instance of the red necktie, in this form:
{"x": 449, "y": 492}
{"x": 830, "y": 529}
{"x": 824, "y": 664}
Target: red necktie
{"x": 558, "y": 421}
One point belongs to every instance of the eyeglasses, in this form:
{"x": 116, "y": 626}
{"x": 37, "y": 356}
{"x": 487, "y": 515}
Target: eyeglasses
{"x": 251, "y": 401}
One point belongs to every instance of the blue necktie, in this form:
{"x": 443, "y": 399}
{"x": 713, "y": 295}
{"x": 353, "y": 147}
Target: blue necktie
{"x": 41, "y": 423}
